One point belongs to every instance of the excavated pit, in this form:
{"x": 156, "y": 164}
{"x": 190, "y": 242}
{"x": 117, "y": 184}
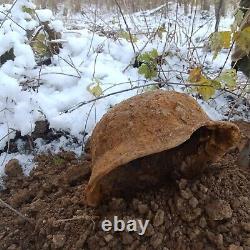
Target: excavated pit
{"x": 187, "y": 160}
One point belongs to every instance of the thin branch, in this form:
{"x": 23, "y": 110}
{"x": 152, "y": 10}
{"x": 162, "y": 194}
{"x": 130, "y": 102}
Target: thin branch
{"x": 59, "y": 73}
{"x": 81, "y": 217}
{"x": 73, "y": 108}
{"x": 127, "y": 27}
{"x": 15, "y": 211}
{"x": 7, "y": 14}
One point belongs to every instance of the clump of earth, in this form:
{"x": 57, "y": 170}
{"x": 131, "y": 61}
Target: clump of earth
{"x": 211, "y": 211}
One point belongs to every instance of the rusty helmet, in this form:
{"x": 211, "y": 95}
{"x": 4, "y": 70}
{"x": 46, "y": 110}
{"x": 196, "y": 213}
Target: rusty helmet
{"x": 147, "y": 124}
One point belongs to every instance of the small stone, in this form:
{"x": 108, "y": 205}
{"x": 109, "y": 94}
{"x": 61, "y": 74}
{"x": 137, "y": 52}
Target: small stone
{"x": 82, "y": 239}
{"x": 193, "y": 202}
{"x": 108, "y": 237}
{"x": 190, "y": 215}
{"x": 183, "y": 184}
{"x": 59, "y": 240}
{"x": 194, "y": 187}
{"x": 219, "y": 210}
{"x": 134, "y": 245}
{"x": 75, "y": 173}
{"x": 235, "y": 247}
{"x": 203, "y": 188}
{"x": 186, "y": 194}
{"x": 13, "y": 247}
{"x": 45, "y": 246}
{"x": 235, "y": 230}
{"x": 117, "y": 204}
{"x": 217, "y": 240}
{"x": 149, "y": 231}
{"x": 194, "y": 233}
{"x": 143, "y": 208}
{"x": 142, "y": 247}
{"x": 247, "y": 242}
{"x": 154, "y": 206}
{"x": 102, "y": 243}
{"x": 202, "y": 222}
{"x": 135, "y": 203}
{"x": 20, "y": 196}
{"x": 13, "y": 168}
{"x": 93, "y": 242}
{"x": 2, "y": 235}
{"x": 179, "y": 203}
{"x": 224, "y": 228}
{"x": 127, "y": 238}
{"x": 159, "y": 218}
{"x": 246, "y": 227}
{"x": 236, "y": 203}
{"x": 156, "y": 240}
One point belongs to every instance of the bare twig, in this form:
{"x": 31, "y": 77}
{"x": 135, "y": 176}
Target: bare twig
{"x": 81, "y": 217}
{"x": 85, "y": 126}
{"x": 162, "y": 83}
{"x": 127, "y": 27}
{"x": 59, "y": 73}
{"x": 14, "y": 210}
{"x": 12, "y": 21}
{"x": 7, "y": 14}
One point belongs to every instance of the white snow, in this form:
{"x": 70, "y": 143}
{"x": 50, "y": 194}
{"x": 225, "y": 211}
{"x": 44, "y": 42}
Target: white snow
{"x": 44, "y": 15}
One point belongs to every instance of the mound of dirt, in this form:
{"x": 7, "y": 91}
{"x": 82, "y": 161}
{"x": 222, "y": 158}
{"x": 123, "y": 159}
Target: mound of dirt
{"x": 211, "y": 211}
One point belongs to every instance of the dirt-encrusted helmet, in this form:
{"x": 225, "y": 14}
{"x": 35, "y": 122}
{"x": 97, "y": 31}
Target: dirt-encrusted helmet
{"x": 149, "y": 137}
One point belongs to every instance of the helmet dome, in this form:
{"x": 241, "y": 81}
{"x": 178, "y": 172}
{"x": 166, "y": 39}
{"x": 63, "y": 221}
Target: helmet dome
{"x": 149, "y": 136}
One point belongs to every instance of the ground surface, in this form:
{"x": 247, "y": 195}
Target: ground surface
{"x": 210, "y": 212}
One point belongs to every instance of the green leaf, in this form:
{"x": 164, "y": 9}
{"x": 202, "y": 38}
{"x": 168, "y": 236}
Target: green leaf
{"x": 205, "y": 87}
{"x": 161, "y": 30}
{"x": 126, "y": 35}
{"x": 216, "y": 84}
{"x": 206, "y": 92}
{"x": 220, "y": 40}
{"x": 28, "y": 10}
{"x": 148, "y": 57}
{"x": 228, "y": 78}
{"x": 148, "y": 62}
{"x": 57, "y": 160}
{"x": 153, "y": 54}
{"x": 95, "y": 88}
{"x": 242, "y": 39}
{"x": 39, "y": 45}
{"x": 145, "y": 57}
{"x": 195, "y": 75}
{"x": 148, "y": 70}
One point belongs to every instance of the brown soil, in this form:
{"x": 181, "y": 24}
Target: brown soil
{"x": 211, "y": 211}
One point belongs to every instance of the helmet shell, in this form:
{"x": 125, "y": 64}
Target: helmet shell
{"x": 143, "y": 125}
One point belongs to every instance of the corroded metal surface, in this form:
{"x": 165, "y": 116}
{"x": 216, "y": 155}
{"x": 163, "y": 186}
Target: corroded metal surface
{"x": 151, "y": 123}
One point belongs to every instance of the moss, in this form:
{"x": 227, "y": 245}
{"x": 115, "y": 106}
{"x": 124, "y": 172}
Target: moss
{"x": 58, "y": 161}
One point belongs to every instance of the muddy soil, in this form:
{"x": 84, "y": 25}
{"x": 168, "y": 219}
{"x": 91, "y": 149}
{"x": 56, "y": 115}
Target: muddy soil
{"x": 209, "y": 212}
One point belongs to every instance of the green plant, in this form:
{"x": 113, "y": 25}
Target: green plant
{"x": 129, "y": 37}
{"x": 206, "y": 87}
{"x": 148, "y": 64}
{"x": 95, "y": 87}
{"x": 57, "y": 160}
